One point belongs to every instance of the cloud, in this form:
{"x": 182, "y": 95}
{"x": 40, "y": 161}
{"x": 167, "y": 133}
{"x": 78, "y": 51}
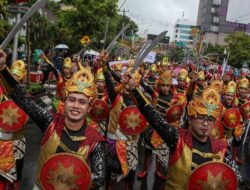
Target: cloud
{"x": 154, "y": 16}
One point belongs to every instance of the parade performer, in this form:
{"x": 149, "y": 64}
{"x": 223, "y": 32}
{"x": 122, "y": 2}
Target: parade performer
{"x": 12, "y": 140}
{"x": 151, "y": 76}
{"x": 63, "y": 77}
{"x": 243, "y": 91}
{"x": 193, "y": 147}
{"x": 200, "y": 84}
{"x": 101, "y": 106}
{"x": 70, "y": 133}
{"x": 164, "y": 102}
{"x": 182, "y": 85}
{"x": 125, "y": 125}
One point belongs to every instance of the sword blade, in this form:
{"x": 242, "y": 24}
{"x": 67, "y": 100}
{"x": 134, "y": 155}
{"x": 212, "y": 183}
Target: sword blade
{"x": 39, "y": 4}
{"x": 246, "y": 133}
{"x": 147, "y": 49}
{"x": 116, "y": 37}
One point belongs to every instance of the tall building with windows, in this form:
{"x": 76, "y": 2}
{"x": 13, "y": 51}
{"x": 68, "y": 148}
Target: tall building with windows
{"x": 212, "y": 21}
{"x": 183, "y": 31}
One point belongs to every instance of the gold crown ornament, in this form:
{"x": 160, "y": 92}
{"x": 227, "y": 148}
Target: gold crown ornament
{"x": 136, "y": 76}
{"x": 243, "y": 83}
{"x": 230, "y": 87}
{"x": 131, "y": 63}
{"x": 165, "y": 61}
{"x": 18, "y": 69}
{"x": 153, "y": 68}
{"x": 81, "y": 82}
{"x": 165, "y": 78}
{"x": 99, "y": 75}
{"x": 218, "y": 85}
{"x": 201, "y": 75}
{"x": 183, "y": 74}
{"x": 118, "y": 67}
{"x": 85, "y": 40}
{"x": 67, "y": 63}
{"x": 208, "y": 104}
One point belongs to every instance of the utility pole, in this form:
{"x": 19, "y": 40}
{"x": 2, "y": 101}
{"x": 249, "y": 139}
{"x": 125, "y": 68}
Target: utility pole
{"x": 123, "y": 21}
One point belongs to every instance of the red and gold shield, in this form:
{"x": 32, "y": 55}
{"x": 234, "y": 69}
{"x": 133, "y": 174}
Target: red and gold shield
{"x": 217, "y": 131}
{"x": 99, "y": 111}
{"x": 131, "y": 121}
{"x": 245, "y": 110}
{"x": 12, "y": 117}
{"x": 65, "y": 171}
{"x": 174, "y": 113}
{"x": 231, "y": 118}
{"x": 213, "y": 175}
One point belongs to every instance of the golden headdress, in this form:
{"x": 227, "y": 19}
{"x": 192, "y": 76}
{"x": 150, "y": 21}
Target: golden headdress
{"x": 81, "y": 82}
{"x": 208, "y": 104}
{"x": 118, "y": 67}
{"x": 218, "y": 85}
{"x": 131, "y": 63}
{"x": 243, "y": 83}
{"x": 153, "y": 68}
{"x": 230, "y": 87}
{"x": 165, "y": 78}
{"x": 99, "y": 75}
{"x": 201, "y": 75}
{"x": 165, "y": 61}
{"x": 18, "y": 69}
{"x": 183, "y": 74}
{"x": 136, "y": 75}
{"x": 67, "y": 63}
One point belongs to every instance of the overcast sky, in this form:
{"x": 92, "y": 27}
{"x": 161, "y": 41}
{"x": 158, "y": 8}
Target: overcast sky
{"x": 154, "y": 16}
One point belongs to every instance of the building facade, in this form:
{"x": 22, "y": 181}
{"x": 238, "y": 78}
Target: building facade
{"x": 183, "y": 32}
{"x": 212, "y": 21}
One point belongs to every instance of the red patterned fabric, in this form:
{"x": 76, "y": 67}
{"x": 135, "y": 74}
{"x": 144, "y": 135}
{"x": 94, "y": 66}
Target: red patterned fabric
{"x": 218, "y": 145}
{"x": 92, "y": 135}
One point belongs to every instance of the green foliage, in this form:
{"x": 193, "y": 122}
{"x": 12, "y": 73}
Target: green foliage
{"x": 239, "y": 47}
{"x": 4, "y": 29}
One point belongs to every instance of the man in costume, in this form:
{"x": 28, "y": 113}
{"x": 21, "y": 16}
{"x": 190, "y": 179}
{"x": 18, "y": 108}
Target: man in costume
{"x": 123, "y": 133}
{"x": 193, "y": 147}
{"x": 150, "y": 77}
{"x": 12, "y": 140}
{"x": 182, "y": 85}
{"x": 70, "y": 133}
{"x": 243, "y": 91}
{"x": 63, "y": 77}
{"x": 163, "y": 100}
{"x": 200, "y": 84}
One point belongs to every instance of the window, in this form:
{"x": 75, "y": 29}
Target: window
{"x": 182, "y": 26}
{"x": 216, "y": 19}
{"x": 214, "y": 28}
{"x": 217, "y": 2}
{"x": 213, "y": 10}
{"x": 186, "y": 37}
{"x": 185, "y": 32}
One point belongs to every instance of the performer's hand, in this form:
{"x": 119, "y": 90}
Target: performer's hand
{"x": 3, "y": 58}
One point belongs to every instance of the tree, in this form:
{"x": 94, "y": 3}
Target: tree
{"x": 239, "y": 48}
{"x": 5, "y": 27}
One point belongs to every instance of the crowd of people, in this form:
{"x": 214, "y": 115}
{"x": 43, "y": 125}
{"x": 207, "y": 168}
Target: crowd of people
{"x": 195, "y": 121}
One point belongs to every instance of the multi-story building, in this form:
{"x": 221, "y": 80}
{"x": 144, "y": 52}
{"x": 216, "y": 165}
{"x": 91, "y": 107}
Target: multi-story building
{"x": 212, "y": 15}
{"x": 183, "y": 31}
